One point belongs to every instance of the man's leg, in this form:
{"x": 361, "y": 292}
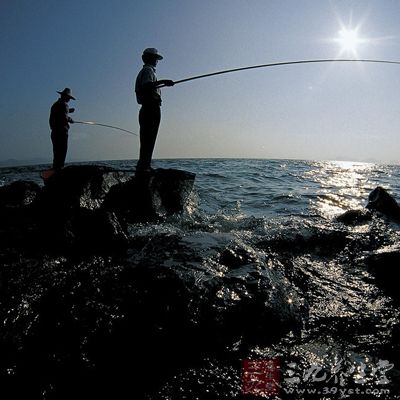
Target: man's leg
{"x": 60, "y": 147}
{"x": 149, "y": 120}
{"x": 63, "y": 149}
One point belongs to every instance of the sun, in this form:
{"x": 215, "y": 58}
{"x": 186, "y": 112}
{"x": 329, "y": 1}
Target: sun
{"x": 348, "y": 40}
{"x": 352, "y": 38}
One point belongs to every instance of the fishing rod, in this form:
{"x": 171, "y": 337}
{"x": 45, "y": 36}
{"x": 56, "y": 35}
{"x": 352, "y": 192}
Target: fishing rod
{"x": 107, "y": 126}
{"x": 227, "y": 71}
{"x": 277, "y": 64}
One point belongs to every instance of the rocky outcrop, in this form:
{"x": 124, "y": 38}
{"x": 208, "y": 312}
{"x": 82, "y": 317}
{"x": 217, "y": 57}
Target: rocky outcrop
{"x": 381, "y": 201}
{"x": 88, "y": 207}
{"x": 383, "y": 264}
{"x": 150, "y": 196}
{"x": 109, "y": 325}
{"x": 80, "y": 186}
{"x": 18, "y": 218}
{"x": 96, "y": 327}
{"x": 18, "y": 194}
{"x": 355, "y": 217}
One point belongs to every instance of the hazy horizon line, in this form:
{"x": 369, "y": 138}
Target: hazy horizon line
{"x": 12, "y": 162}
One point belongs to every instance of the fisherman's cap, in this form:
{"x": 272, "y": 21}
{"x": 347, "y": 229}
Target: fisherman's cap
{"x": 151, "y": 51}
{"x": 67, "y": 92}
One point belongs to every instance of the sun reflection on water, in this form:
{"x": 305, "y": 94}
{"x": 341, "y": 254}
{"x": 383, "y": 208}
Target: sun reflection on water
{"x": 344, "y": 185}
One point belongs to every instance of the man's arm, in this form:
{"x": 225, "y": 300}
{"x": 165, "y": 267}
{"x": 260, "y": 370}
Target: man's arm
{"x": 157, "y": 84}
{"x": 70, "y": 110}
{"x": 164, "y": 82}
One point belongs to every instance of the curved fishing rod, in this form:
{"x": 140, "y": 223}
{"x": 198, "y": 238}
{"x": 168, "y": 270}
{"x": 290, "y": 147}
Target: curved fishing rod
{"x": 277, "y": 64}
{"x": 107, "y": 126}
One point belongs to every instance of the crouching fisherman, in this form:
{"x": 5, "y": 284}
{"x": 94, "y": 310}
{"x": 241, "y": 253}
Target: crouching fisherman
{"x": 59, "y": 124}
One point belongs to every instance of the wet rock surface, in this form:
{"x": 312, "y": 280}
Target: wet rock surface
{"x": 98, "y": 325}
{"x": 151, "y": 196}
{"x": 88, "y": 206}
{"x": 384, "y": 264}
{"x": 381, "y": 201}
{"x": 175, "y": 309}
{"x": 18, "y": 194}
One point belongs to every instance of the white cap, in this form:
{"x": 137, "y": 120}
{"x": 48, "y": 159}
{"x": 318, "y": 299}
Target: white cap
{"x": 154, "y": 52}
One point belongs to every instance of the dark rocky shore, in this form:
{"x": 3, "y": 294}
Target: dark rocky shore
{"x": 90, "y": 310}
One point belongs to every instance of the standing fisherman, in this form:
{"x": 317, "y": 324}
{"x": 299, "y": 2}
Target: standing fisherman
{"x": 148, "y": 94}
{"x": 59, "y": 124}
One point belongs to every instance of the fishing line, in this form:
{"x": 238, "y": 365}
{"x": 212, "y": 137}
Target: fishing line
{"x": 107, "y": 126}
{"x": 277, "y": 64}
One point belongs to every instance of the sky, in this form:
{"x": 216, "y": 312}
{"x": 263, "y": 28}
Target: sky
{"x": 335, "y": 111}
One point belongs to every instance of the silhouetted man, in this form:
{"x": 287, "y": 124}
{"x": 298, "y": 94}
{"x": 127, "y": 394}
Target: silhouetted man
{"x": 148, "y": 94}
{"x": 59, "y": 124}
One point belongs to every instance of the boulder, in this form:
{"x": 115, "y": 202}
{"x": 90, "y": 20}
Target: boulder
{"x": 219, "y": 303}
{"x": 151, "y": 196}
{"x": 99, "y": 229}
{"x": 88, "y": 206}
{"x": 68, "y": 209}
{"x": 236, "y": 257}
{"x": 381, "y": 201}
{"x": 355, "y": 217}
{"x": 19, "y": 194}
{"x": 80, "y": 186}
{"x": 18, "y": 220}
{"x": 383, "y": 264}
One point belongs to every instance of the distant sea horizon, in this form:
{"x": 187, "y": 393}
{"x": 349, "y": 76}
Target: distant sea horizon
{"x": 13, "y": 162}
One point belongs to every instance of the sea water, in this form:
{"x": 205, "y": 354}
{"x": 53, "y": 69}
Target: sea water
{"x": 266, "y": 188}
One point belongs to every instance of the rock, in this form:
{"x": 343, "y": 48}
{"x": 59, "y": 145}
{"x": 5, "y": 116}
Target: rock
{"x": 87, "y": 206}
{"x": 19, "y": 194}
{"x": 323, "y": 242}
{"x": 18, "y": 220}
{"x": 220, "y": 304}
{"x": 80, "y": 186}
{"x": 236, "y": 257}
{"x": 380, "y": 200}
{"x": 384, "y": 265}
{"x": 69, "y": 209}
{"x": 98, "y": 229}
{"x": 151, "y": 196}
{"x": 355, "y": 217}
{"x": 174, "y": 188}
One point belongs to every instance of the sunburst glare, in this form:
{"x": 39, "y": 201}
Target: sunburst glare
{"x": 349, "y": 41}
{"x": 350, "y": 38}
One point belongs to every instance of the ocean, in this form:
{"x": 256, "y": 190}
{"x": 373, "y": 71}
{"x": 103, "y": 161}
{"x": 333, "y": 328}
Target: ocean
{"x": 265, "y": 188}
{"x": 274, "y": 286}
